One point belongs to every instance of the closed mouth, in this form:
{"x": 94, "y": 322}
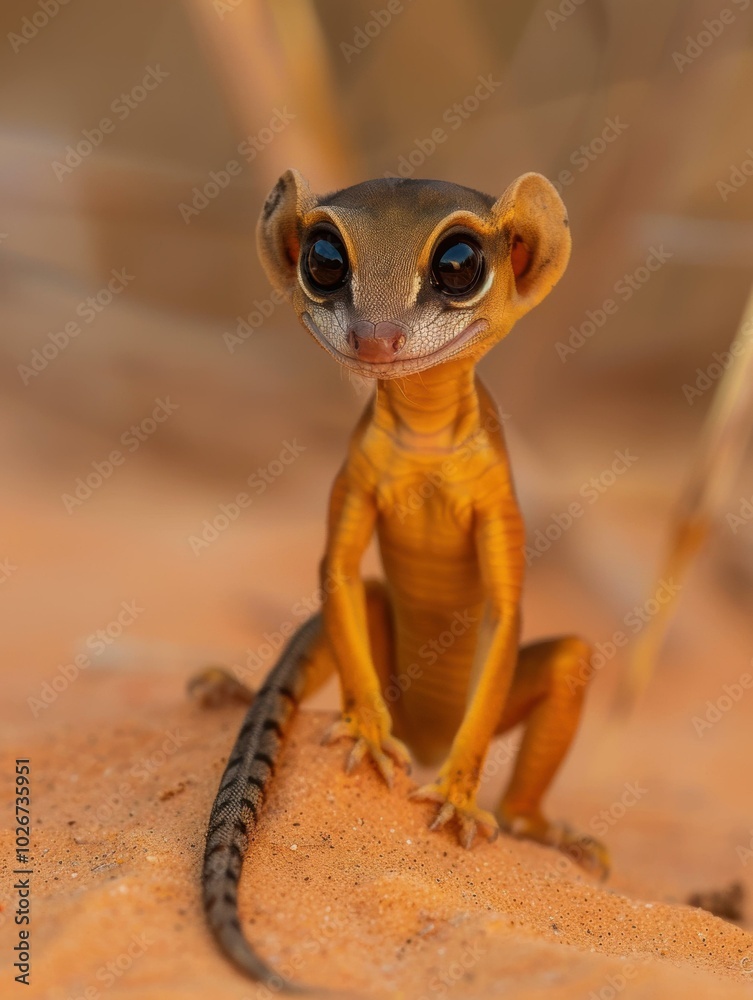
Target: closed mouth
{"x": 400, "y": 366}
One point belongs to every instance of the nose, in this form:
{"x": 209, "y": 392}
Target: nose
{"x": 375, "y": 342}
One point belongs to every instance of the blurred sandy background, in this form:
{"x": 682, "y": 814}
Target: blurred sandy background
{"x": 640, "y": 111}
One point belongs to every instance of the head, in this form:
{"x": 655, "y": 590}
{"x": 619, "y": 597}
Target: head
{"x": 394, "y": 276}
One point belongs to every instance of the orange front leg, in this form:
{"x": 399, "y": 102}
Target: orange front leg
{"x": 365, "y": 719}
{"x": 499, "y": 537}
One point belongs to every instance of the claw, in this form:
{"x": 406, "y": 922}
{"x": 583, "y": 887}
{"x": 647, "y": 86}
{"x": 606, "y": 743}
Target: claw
{"x": 399, "y": 751}
{"x": 444, "y": 814}
{"x": 467, "y": 832}
{"x": 356, "y": 755}
{"x": 427, "y": 793}
{"x": 384, "y": 750}
{"x": 386, "y": 767}
{"x": 471, "y": 819}
{"x": 337, "y": 731}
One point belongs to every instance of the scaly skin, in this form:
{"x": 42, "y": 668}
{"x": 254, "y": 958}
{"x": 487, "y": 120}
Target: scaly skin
{"x": 429, "y": 660}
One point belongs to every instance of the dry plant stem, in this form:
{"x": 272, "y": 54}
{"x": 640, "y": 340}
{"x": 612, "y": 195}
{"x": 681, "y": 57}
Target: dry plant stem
{"x": 720, "y": 452}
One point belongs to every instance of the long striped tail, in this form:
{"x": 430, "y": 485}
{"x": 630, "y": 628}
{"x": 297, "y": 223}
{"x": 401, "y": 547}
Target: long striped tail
{"x": 239, "y": 801}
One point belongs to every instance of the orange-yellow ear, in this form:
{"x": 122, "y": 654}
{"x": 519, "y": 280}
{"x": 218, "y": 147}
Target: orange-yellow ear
{"x": 277, "y": 231}
{"x": 533, "y": 221}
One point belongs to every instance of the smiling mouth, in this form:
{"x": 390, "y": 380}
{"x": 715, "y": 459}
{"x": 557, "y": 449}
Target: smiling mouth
{"x": 400, "y": 366}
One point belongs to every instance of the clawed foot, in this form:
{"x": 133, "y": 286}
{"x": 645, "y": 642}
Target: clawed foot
{"x": 460, "y": 806}
{"x": 371, "y": 740}
{"x": 585, "y": 850}
{"x": 216, "y": 686}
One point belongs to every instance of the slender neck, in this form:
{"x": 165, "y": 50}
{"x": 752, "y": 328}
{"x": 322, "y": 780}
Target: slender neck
{"x": 436, "y": 408}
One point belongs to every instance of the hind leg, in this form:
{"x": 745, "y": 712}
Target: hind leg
{"x": 547, "y": 694}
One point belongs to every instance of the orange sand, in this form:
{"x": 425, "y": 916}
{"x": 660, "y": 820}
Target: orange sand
{"x": 345, "y": 886}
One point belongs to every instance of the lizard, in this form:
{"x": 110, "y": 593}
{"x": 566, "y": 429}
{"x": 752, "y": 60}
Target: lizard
{"x": 411, "y": 282}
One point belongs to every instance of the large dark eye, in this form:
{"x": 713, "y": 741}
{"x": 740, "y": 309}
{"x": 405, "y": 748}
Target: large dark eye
{"x": 456, "y": 265}
{"x": 326, "y": 261}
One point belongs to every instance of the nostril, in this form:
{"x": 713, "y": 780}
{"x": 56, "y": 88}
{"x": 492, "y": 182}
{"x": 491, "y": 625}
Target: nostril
{"x": 375, "y": 342}
{"x": 359, "y": 334}
{"x": 391, "y": 336}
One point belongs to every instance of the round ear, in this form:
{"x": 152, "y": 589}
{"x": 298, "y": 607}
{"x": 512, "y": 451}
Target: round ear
{"x": 533, "y": 221}
{"x": 277, "y": 231}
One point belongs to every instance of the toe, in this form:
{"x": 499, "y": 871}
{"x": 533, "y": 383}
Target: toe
{"x": 385, "y": 767}
{"x": 486, "y": 823}
{"x": 383, "y": 749}
{"x": 337, "y": 731}
{"x": 589, "y": 853}
{"x": 581, "y": 848}
{"x": 444, "y": 814}
{"x": 467, "y": 833}
{"x": 356, "y": 755}
{"x": 215, "y": 686}
{"x": 399, "y": 751}
{"x": 428, "y": 793}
